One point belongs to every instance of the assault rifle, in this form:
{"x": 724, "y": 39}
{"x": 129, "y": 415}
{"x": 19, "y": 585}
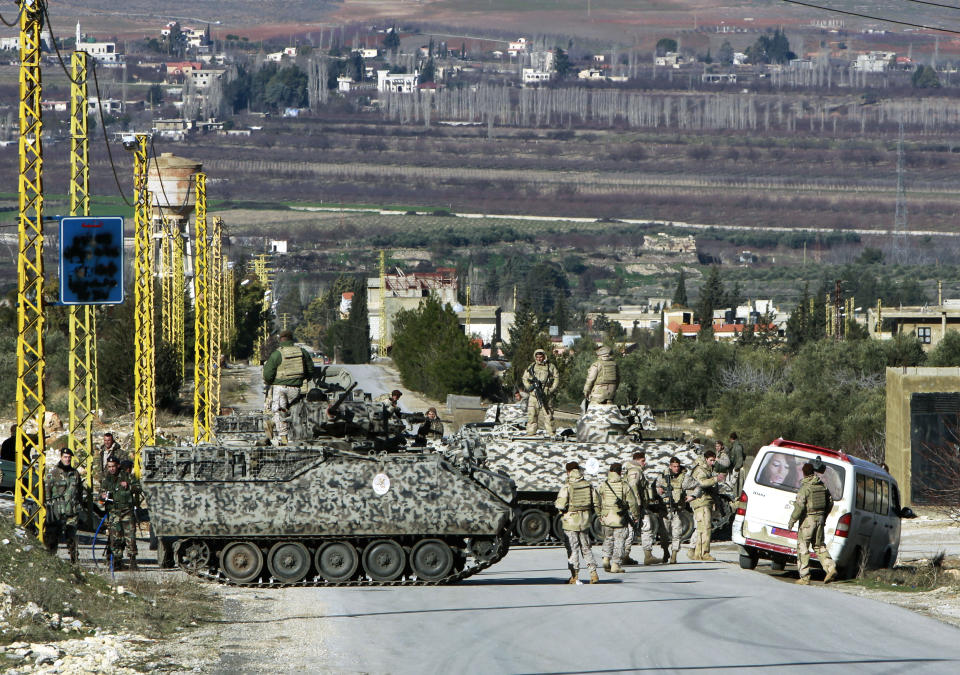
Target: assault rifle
{"x": 539, "y": 393}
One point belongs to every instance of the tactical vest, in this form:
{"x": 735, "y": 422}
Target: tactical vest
{"x": 608, "y": 373}
{"x": 580, "y": 496}
{"x": 547, "y": 380}
{"x": 816, "y": 499}
{"x": 675, "y": 484}
{"x": 292, "y": 364}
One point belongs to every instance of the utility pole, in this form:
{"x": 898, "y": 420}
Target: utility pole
{"x": 382, "y": 346}
{"x": 216, "y": 314}
{"x": 838, "y": 323}
{"x": 201, "y": 349}
{"x": 83, "y": 318}
{"x": 144, "y": 364}
{"x": 29, "y": 506}
{"x": 900, "y": 217}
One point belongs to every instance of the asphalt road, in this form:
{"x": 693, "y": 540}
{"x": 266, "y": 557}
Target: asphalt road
{"x": 518, "y": 617}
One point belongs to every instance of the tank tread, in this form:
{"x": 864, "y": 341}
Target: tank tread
{"x": 219, "y": 577}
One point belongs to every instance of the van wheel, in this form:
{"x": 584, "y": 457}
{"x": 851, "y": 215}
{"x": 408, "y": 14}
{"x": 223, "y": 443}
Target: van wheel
{"x": 749, "y": 562}
{"x": 855, "y": 564}
{"x": 777, "y": 564}
{"x": 888, "y": 560}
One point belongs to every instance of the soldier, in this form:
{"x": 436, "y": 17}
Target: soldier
{"x": 618, "y": 505}
{"x": 602, "y": 379}
{"x": 392, "y": 401}
{"x": 8, "y": 450}
{"x": 702, "y": 483}
{"x": 121, "y": 495}
{"x": 64, "y": 497}
{"x": 432, "y": 429}
{"x": 811, "y": 506}
{"x": 670, "y": 488}
{"x": 541, "y": 380}
{"x": 649, "y": 502}
{"x": 107, "y": 448}
{"x": 737, "y": 457}
{"x": 577, "y": 501}
{"x": 285, "y": 372}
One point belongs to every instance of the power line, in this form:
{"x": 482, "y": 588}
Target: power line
{"x": 53, "y": 39}
{"x": 868, "y": 16}
{"x": 934, "y": 4}
{"x": 103, "y": 126}
{"x": 16, "y": 21}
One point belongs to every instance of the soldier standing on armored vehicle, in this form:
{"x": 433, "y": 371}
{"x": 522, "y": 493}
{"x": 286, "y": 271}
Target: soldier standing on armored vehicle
{"x": 64, "y": 497}
{"x": 121, "y": 495}
{"x": 577, "y": 501}
{"x": 542, "y": 381}
{"x": 675, "y": 501}
{"x": 285, "y": 372}
{"x": 649, "y": 502}
{"x": 602, "y": 379}
{"x": 392, "y": 401}
{"x": 431, "y": 429}
{"x": 812, "y": 504}
{"x": 619, "y": 506}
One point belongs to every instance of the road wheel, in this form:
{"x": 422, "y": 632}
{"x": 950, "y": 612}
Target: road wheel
{"x": 241, "y": 561}
{"x": 777, "y": 564}
{"x": 337, "y": 561}
{"x": 686, "y": 517}
{"x": 288, "y": 561}
{"x": 855, "y": 565}
{"x": 596, "y": 530}
{"x": 195, "y": 556}
{"x": 558, "y": 528}
{"x": 483, "y": 549}
{"x": 749, "y": 561}
{"x": 533, "y": 526}
{"x": 431, "y": 560}
{"x": 384, "y": 560}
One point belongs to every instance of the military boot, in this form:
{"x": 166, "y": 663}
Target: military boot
{"x": 648, "y": 558}
{"x": 594, "y": 577}
{"x": 803, "y": 581}
{"x": 606, "y": 564}
{"x": 615, "y": 568}
{"x": 693, "y": 554}
{"x": 673, "y": 557}
{"x": 574, "y": 574}
{"x": 831, "y": 575}
{"x": 629, "y": 561}
{"x": 706, "y": 557}
{"x": 666, "y": 557}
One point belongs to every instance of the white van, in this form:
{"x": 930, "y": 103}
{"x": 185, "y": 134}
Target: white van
{"x": 862, "y": 529}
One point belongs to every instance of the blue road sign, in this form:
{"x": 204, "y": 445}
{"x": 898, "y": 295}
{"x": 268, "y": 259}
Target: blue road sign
{"x": 91, "y": 260}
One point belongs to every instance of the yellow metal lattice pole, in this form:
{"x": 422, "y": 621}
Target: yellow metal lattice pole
{"x": 179, "y": 288}
{"x": 144, "y": 373}
{"x": 382, "y": 343}
{"x": 216, "y": 313}
{"x": 166, "y": 281}
{"x": 28, "y": 490}
{"x": 230, "y": 300}
{"x": 201, "y": 351}
{"x": 81, "y": 357}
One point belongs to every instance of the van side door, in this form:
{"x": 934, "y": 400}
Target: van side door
{"x": 864, "y": 520}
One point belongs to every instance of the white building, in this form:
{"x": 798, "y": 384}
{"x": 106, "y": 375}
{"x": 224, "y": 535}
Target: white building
{"x": 531, "y": 76}
{"x": 344, "y": 83}
{"x": 403, "y": 83}
{"x": 103, "y": 52}
{"x": 545, "y": 61}
{"x": 111, "y": 106}
{"x": 518, "y": 46}
{"x": 201, "y": 79}
{"x": 670, "y": 60}
{"x": 591, "y": 74}
{"x": 874, "y": 62}
{"x": 367, "y": 53}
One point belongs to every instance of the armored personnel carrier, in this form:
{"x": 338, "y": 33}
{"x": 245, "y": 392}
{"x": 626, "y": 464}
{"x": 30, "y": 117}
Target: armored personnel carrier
{"x": 317, "y": 514}
{"x": 346, "y": 503}
{"x": 604, "y": 434}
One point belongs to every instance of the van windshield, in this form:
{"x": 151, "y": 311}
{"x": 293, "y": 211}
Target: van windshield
{"x": 784, "y": 472}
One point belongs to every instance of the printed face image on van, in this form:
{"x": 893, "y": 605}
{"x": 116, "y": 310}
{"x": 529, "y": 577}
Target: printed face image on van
{"x": 785, "y": 471}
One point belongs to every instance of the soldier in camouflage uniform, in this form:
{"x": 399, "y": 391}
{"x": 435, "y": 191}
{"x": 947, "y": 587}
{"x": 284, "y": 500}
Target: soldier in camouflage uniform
{"x": 618, "y": 506}
{"x": 602, "y": 378}
{"x": 285, "y": 372}
{"x": 64, "y": 497}
{"x": 737, "y": 458}
{"x": 577, "y": 501}
{"x": 675, "y": 501}
{"x": 121, "y": 495}
{"x": 649, "y": 507}
{"x": 105, "y": 450}
{"x": 392, "y": 401}
{"x": 811, "y": 507}
{"x": 546, "y": 374}
{"x": 432, "y": 429}
{"x": 703, "y": 484}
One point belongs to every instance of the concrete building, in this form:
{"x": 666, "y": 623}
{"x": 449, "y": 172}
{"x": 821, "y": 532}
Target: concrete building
{"x": 404, "y": 83}
{"x": 928, "y": 323}
{"x": 518, "y": 46}
{"x": 531, "y": 76}
{"x": 406, "y": 291}
{"x": 923, "y": 423}
{"x": 102, "y": 52}
{"x": 201, "y": 79}
{"x": 483, "y": 322}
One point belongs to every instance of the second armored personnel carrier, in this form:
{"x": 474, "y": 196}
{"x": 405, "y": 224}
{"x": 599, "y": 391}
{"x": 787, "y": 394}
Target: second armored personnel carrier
{"x": 604, "y": 434}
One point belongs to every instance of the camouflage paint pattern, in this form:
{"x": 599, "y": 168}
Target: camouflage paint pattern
{"x": 234, "y": 492}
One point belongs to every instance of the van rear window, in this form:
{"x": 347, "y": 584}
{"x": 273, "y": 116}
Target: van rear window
{"x": 784, "y": 471}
